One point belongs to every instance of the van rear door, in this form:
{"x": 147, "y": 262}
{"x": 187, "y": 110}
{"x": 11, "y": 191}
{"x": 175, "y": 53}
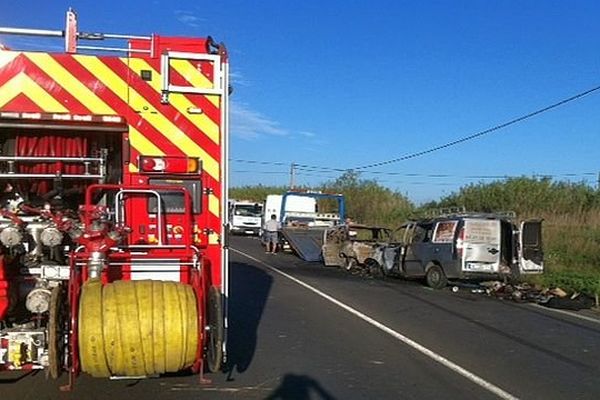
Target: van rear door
{"x": 481, "y": 246}
{"x": 531, "y": 256}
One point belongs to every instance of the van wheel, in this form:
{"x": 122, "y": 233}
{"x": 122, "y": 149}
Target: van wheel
{"x": 435, "y": 277}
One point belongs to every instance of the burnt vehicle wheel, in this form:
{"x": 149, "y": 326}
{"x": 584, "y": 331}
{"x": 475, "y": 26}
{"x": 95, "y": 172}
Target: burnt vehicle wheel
{"x": 435, "y": 277}
{"x": 350, "y": 263}
{"x": 374, "y": 269}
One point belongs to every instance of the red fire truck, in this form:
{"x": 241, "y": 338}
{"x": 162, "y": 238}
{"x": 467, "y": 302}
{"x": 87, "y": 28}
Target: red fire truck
{"x": 113, "y": 205}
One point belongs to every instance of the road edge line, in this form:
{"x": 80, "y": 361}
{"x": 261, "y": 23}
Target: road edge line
{"x": 404, "y": 339}
{"x": 565, "y": 312}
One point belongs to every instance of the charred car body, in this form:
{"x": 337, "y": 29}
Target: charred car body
{"x": 348, "y": 246}
{"x": 463, "y": 246}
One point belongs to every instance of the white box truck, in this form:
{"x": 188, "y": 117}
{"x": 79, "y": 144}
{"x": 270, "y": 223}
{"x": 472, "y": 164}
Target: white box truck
{"x": 245, "y": 217}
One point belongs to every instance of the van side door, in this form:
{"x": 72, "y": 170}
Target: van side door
{"x": 416, "y": 251}
{"x": 531, "y": 255}
{"x": 442, "y": 247}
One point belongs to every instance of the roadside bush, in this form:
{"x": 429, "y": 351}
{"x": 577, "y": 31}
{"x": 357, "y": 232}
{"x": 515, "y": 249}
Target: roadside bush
{"x": 525, "y": 196}
{"x": 370, "y": 203}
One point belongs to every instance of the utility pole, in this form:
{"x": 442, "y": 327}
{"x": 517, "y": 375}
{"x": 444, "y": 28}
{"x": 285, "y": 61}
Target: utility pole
{"x": 293, "y": 175}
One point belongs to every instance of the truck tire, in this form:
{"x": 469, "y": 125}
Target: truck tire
{"x": 435, "y": 277}
{"x": 214, "y": 340}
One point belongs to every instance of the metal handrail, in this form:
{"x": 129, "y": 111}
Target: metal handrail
{"x": 148, "y": 189}
{"x": 51, "y": 159}
{"x": 72, "y": 36}
{"x": 119, "y": 208}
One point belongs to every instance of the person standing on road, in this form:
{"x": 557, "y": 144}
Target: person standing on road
{"x": 272, "y": 234}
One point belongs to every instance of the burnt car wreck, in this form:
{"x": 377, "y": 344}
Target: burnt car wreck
{"x": 349, "y": 246}
{"x": 466, "y": 246}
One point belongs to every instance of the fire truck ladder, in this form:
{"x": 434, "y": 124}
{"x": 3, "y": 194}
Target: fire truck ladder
{"x": 71, "y": 36}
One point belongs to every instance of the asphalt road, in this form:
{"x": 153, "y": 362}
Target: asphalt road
{"x": 330, "y": 335}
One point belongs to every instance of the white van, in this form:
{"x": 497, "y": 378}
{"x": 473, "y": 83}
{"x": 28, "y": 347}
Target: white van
{"x": 464, "y": 246}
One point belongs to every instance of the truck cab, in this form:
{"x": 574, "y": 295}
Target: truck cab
{"x": 245, "y": 217}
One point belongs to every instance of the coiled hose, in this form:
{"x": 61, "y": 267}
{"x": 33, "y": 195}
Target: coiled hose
{"x": 137, "y": 328}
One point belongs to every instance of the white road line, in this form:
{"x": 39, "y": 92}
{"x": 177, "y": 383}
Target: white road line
{"x": 422, "y": 349}
{"x": 570, "y": 314}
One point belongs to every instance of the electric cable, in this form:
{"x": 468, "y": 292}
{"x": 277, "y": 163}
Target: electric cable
{"x": 439, "y": 147}
{"x": 481, "y": 133}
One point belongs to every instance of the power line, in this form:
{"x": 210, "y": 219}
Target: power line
{"x": 439, "y": 147}
{"x": 481, "y": 133}
{"x": 497, "y": 176}
{"x": 260, "y": 172}
{"x": 258, "y": 162}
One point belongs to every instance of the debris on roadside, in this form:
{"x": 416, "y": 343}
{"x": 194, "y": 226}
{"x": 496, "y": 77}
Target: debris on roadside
{"x": 527, "y": 293}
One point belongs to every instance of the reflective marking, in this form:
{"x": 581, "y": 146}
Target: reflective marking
{"x": 404, "y": 339}
{"x": 162, "y": 124}
{"x": 23, "y": 84}
{"x": 70, "y": 83}
{"x": 213, "y": 204}
{"x": 196, "y": 78}
{"x": 142, "y": 144}
{"x": 213, "y": 238}
{"x": 179, "y": 101}
{"x": 6, "y": 57}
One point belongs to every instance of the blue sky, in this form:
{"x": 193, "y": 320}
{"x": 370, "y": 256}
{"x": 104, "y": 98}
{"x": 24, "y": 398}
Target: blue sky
{"x": 341, "y": 84}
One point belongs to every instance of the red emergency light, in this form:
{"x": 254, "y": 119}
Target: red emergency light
{"x": 169, "y": 165}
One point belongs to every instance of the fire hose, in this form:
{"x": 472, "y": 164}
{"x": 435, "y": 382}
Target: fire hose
{"x": 49, "y": 146}
{"x": 137, "y": 328}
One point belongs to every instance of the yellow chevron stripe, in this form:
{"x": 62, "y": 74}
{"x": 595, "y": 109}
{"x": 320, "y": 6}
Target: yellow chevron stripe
{"x": 70, "y": 83}
{"x": 22, "y": 83}
{"x": 133, "y": 169}
{"x": 185, "y": 144}
{"x": 142, "y": 144}
{"x": 196, "y": 78}
{"x": 166, "y": 127}
{"x": 7, "y": 57}
{"x": 213, "y": 204}
{"x": 89, "y": 99}
{"x": 177, "y": 100}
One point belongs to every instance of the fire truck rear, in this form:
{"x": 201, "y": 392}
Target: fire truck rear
{"x": 113, "y": 199}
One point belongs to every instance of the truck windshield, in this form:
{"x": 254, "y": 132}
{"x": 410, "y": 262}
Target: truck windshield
{"x": 248, "y": 210}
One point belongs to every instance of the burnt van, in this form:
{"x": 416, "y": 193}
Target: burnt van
{"x": 463, "y": 247}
